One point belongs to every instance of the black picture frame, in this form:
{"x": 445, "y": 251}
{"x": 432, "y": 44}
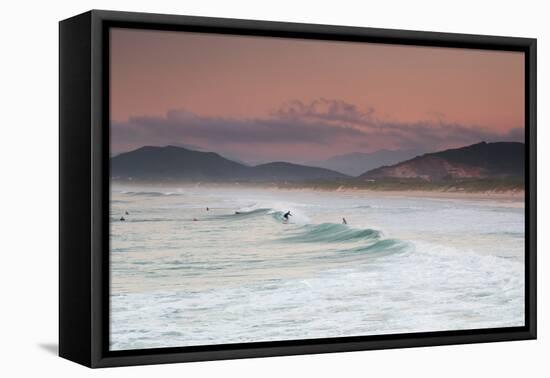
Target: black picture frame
{"x": 84, "y": 188}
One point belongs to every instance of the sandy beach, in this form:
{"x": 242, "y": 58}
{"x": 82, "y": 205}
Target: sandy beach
{"x": 514, "y": 197}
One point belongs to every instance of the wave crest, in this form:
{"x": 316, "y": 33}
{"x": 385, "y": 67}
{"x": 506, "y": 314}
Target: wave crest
{"x": 333, "y": 233}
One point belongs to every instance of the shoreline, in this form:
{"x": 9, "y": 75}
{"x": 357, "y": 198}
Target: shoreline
{"x": 516, "y": 198}
{"x": 509, "y": 195}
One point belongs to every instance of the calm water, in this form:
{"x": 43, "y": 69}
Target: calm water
{"x": 400, "y": 265}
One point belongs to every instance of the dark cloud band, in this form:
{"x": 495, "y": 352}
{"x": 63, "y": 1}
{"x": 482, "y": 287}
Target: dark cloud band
{"x": 319, "y": 123}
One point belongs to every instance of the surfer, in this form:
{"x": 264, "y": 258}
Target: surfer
{"x": 344, "y": 221}
{"x": 286, "y": 215}
{"x": 207, "y": 209}
{"x": 195, "y": 220}
{"x": 237, "y": 212}
{"x": 126, "y": 213}
{"x": 122, "y": 219}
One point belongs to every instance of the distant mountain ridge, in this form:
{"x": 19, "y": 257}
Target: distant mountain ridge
{"x": 480, "y": 160}
{"x": 477, "y": 161}
{"x": 356, "y": 163}
{"x": 179, "y": 163}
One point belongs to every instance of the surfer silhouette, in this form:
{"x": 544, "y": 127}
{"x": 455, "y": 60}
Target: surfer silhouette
{"x": 122, "y": 219}
{"x": 344, "y": 221}
{"x": 286, "y": 215}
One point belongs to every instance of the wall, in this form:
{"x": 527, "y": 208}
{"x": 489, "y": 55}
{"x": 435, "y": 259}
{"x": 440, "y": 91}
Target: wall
{"x": 29, "y": 186}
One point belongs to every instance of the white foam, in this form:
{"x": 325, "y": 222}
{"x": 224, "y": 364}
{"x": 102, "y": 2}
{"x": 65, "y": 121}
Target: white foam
{"x": 184, "y": 283}
{"x": 297, "y": 216}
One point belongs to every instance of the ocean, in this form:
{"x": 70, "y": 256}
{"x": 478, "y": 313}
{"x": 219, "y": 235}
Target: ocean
{"x": 182, "y": 275}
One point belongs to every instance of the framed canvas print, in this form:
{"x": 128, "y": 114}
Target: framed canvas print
{"x": 233, "y": 188}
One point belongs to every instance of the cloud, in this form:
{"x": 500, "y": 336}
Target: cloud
{"x": 324, "y": 110}
{"x": 420, "y": 135}
{"x": 319, "y": 125}
{"x": 180, "y": 126}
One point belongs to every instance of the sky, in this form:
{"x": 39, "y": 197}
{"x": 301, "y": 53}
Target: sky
{"x": 260, "y": 99}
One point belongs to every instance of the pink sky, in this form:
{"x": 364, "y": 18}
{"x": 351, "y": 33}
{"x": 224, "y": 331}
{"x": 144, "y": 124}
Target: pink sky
{"x": 261, "y": 99}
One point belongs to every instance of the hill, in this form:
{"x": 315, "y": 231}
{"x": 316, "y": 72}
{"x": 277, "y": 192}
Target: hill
{"x": 356, "y": 163}
{"x": 178, "y": 163}
{"x": 481, "y": 160}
